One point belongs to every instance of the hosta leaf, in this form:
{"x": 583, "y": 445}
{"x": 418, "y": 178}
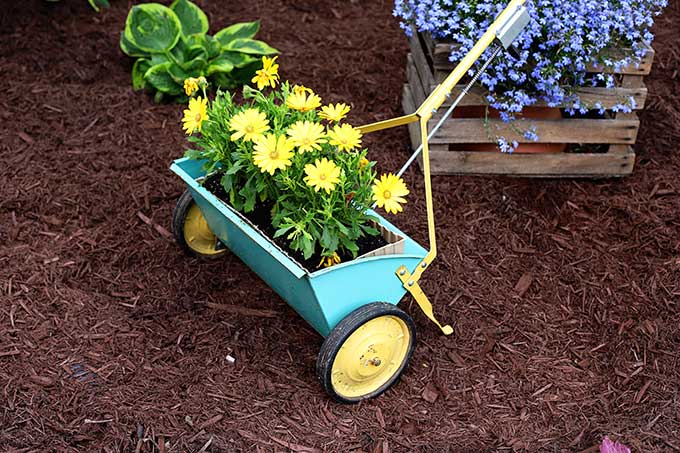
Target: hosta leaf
{"x": 152, "y": 27}
{"x": 96, "y": 4}
{"x": 197, "y": 52}
{"x": 219, "y": 65}
{"x": 196, "y": 66}
{"x": 238, "y": 59}
{"x": 177, "y": 73}
{"x": 130, "y": 49}
{"x": 243, "y": 30}
{"x": 250, "y": 46}
{"x": 190, "y": 16}
{"x": 159, "y": 77}
{"x": 138, "y": 70}
{"x": 213, "y": 45}
{"x": 159, "y": 58}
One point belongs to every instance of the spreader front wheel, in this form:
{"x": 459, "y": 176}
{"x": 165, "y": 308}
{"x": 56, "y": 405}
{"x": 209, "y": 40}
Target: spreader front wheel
{"x": 192, "y": 232}
{"x": 366, "y": 352}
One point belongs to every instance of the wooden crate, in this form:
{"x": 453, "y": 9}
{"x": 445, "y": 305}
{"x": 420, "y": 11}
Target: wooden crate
{"x": 615, "y": 134}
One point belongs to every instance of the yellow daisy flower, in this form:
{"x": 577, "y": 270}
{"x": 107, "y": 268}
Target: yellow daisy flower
{"x": 301, "y": 89}
{"x": 328, "y": 261}
{"x": 306, "y": 135}
{"x": 268, "y": 75}
{"x": 272, "y": 153}
{"x": 195, "y": 115}
{"x": 345, "y": 137}
{"x": 249, "y": 124}
{"x": 334, "y": 113}
{"x": 190, "y": 86}
{"x": 363, "y": 163}
{"x": 303, "y": 99}
{"x": 323, "y": 174}
{"x": 389, "y": 191}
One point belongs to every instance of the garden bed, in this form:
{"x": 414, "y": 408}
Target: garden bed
{"x": 599, "y": 145}
{"x": 563, "y": 293}
{"x": 385, "y": 243}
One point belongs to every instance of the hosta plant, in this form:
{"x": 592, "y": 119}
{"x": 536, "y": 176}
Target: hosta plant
{"x": 172, "y": 45}
{"x": 283, "y": 151}
{"x": 563, "y": 40}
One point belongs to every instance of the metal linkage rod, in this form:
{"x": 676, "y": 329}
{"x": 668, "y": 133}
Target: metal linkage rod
{"x": 448, "y": 113}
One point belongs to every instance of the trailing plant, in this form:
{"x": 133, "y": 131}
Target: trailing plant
{"x": 563, "y": 40}
{"x": 284, "y": 150}
{"x": 172, "y": 45}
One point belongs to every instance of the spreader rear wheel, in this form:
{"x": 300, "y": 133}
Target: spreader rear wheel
{"x": 192, "y": 232}
{"x": 366, "y": 352}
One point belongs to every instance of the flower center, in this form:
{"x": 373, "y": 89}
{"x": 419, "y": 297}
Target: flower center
{"x": 274, "y": 154}
{"x": 249, "y": 129}
{"x": 198, "y": 118}
{"x": 387, "y": 194}
{"x": 322, "y": 177}
{"x": 306, "y": 141}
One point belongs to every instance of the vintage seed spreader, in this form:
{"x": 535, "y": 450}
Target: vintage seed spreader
{"x": 368, "y": 340}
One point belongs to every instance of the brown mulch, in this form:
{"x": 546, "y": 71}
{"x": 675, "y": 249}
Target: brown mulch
{"x": 564, "y": 293}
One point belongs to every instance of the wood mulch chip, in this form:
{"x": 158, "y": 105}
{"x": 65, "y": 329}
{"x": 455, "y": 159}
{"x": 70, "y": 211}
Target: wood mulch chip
{"x": 564, "y": 294}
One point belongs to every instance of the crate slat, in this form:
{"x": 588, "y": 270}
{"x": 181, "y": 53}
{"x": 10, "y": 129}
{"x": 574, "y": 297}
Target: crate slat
{"x": 608, "y": 97}
{"x": 567, "y": 130}
{"x": 441, "y": 51}
{"x": 618, "y": 161}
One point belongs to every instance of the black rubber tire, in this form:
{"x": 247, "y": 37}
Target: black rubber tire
{"x": 179, "y": 214}
{"x": 342, "y": 331}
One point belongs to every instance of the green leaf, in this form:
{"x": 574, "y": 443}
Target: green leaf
{"x": 329, "y": 240}
{"x": 177, "y": 73}
{"x": 159, "y": 77}
{"x": 152, "y": 27}
{"x": 370, "y": 230}
{"x": 96, "y": 4}
{"x": 191, "y": 17}
{"x": 234, "y": 168}
{"x": 138, "y": 70}
{"x": 243, "y": 30}
{"x": 281, "y": 231}
{"x": 250, "y": 46}
{"x": 196, "y": 66}
{"x": 219, "y": 65}
{"x": 159, "y": 58}
{"x": 214, "y": 47}
{"x": 227, "y": 182}
{"x": 130, "y": 49}
{"x": 193, "y": 154}
{"x": 239, "y": 60}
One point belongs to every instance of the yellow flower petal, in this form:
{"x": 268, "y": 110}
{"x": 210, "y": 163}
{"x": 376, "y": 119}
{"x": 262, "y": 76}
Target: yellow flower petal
{"x": 345, "y": 137}
{"x": 389, "y": 192}
{"x": 307, "y": 136}
{"x": 302, "y": 99}
{"x": 272, "y": 153}
{"x": 323, "y": 174}
{"x": 334, "y": 113}
{"x": 248, "y": 124}
{"x": 195, "y": 115}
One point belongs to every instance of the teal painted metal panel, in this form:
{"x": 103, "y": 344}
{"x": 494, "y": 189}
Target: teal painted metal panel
{"x": 322, "y": 298}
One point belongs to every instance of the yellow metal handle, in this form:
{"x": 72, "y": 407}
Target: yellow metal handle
{"x": 423, "y": 115}
{"x": 438, "y": 96}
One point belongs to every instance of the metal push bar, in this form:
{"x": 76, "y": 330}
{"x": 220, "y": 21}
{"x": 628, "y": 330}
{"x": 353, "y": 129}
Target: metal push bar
{"x": 504, "y": 30}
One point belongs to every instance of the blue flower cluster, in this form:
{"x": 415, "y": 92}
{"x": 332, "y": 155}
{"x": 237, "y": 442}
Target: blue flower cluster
{"x": 565, "y": 38}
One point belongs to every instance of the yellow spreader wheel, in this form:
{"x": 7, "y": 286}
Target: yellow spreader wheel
{"x": 191, "y": 231}
{"x": 366, "y": 352}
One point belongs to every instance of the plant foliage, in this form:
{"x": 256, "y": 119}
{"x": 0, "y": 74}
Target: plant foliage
{"x": 172, "y": 45}
{"x": 563, "y": 40}
{"x": 283, "y": 150}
